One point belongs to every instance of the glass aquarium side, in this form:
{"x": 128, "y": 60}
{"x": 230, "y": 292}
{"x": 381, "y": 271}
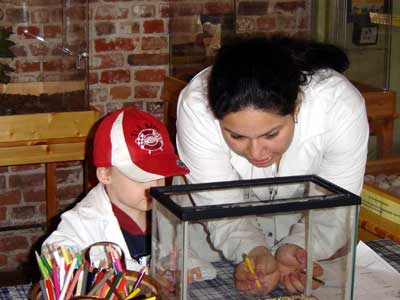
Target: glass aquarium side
{"x": 166, "y": 252}
{"x": 50, "y": 63}
{"x": 179, "y": 247}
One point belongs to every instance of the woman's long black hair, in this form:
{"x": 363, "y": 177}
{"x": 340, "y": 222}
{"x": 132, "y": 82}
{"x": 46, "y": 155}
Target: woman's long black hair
{"x": 267, "y": 72}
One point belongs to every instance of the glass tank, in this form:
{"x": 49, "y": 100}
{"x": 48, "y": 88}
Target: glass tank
{"x": 48, "y": 41}
{"x": 306, "y": 211}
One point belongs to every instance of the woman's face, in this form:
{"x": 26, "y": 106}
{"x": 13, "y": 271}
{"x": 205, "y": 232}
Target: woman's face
{"x": 260, "y": 137}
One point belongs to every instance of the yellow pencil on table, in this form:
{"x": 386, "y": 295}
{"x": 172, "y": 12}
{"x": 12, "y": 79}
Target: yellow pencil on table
{"x": 251, "y": 269}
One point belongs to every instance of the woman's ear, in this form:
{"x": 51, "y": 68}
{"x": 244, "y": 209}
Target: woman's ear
{"x": 104, "y": 175}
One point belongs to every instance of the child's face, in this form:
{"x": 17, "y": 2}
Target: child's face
{"x": 129, "y": 194}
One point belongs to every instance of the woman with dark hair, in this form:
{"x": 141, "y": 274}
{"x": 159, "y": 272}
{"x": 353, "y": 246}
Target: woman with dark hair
{"x": 268, "y": 107}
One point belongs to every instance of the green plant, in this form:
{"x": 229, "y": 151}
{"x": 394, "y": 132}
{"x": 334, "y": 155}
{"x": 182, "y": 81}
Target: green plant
{"x": 5, "y": 51}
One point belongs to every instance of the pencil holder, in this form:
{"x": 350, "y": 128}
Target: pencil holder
{"x": 98, "y": 254}
{"x": 148, "y": 288}
{"x": 102, "y": 275}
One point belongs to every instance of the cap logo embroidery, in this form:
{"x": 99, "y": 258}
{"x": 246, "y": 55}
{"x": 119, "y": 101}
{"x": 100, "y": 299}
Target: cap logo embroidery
{"x": 150, "y": 140}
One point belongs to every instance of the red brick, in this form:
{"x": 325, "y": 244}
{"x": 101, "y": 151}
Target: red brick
{"x": 11, "y": 243}
{"x": 39, "y": 49}
{"x": 165, "y": 10}
{"x": 56, "y": 15}
{"x": 184, "y": 9}
{"x": 150, "y": 75}
{"x": 75, "y": 13}
{"x": 40, "y": 16}
{"x": 154, "y": 43}
{"x": 23, "y": 212}
{"x": 71, "y": 192}
{"x": 153, "y": 26}
{"x": 252, "y": 8}
{"x": 10, "y": 197}
{"x": 105, "y": 28}
{"x": 143, "y": 11}
{"x": 2, "y": 182}
{"x": 290, "y": 6}
{"x": 17, "y": 15}
{"x": 43, "y": 2}
{"x": 19, "y": 51}
{"x": 22, "y": 257}
{"x": 68, "y": 164}
{"x": 52, "y": 31}
{"x": 23, "y": 168}
{"x": 218, "y": 7}
{"x": 266, "y": 23}
{"x": 22, "y": 67}
{"x": 120, "y": 92}
{"x": 115, "y": 76}
{"x": 34, "y": 195}
{"x": 118, "y": 43}
{"x": 148, "y": 59}
{"x": 106, "y": 61}
{"x": 68, "y": 176}
{"x": 111, "y": 12}
{"x": 29, "y": 32}
{"x": 3, "y": 260}
{"x": 26, "y": 180}
{"x": 3, "y": 212}
{"x": 93, "y": 78}
{"x": 146, "y": 91}
{"x": 53, "y": 65}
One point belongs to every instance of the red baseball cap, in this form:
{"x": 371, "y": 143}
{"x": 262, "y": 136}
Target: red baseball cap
{"x": 138, "y": 145}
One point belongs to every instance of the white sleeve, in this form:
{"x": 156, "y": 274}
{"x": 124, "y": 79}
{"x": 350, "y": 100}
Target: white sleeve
{"x": 71, "y": 232}
{"x": 202, "y": 148}
{"x": 343, "y": 163}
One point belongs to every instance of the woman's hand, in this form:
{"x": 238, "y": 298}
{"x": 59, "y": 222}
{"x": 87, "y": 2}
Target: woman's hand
{"x": 291, "y": 260}
{"x": 266, "y": 272}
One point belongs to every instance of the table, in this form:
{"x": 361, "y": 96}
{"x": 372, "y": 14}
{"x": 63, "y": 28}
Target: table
{"x": 223, "y": 284}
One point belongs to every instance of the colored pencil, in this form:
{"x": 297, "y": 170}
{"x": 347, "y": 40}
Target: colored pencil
{"x": 101, "y": 283}
{"x": 251, "y": 269}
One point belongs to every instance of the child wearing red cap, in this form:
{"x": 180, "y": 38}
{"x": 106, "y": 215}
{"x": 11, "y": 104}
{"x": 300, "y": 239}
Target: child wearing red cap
{"x": 132, "y": 152}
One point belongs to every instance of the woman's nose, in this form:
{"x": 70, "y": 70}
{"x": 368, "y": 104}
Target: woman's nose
{"x": 255, "y": 149}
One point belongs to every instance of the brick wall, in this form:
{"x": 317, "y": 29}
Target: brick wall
{"x": 129, "y": 55}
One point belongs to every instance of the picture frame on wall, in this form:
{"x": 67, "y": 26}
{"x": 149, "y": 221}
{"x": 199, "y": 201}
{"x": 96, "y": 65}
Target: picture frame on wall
{"x": 365, "y": 34}
{"x": 364, "y": 7}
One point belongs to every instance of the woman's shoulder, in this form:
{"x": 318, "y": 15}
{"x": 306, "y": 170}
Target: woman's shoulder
{"x": 328, "y": 88}
{"x": 195, "y": 91}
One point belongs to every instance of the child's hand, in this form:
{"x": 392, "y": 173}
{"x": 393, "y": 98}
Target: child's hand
{"x": 266, "y": 272}
{"x": 194, "y": 275}
{"x": 292, "y": 261}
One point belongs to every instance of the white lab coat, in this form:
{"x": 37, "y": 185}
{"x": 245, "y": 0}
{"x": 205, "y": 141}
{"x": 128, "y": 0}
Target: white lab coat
{"x": 91, "y": 220}
{"x": 330, "y": 140}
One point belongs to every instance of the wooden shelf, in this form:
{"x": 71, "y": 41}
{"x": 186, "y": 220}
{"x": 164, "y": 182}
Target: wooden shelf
{"x": 45, "y": 138}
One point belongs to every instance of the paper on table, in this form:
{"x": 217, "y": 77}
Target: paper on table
{"x": 374, "y": 277}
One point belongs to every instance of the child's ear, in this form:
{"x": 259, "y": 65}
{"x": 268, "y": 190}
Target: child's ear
{"x": 103, "y": 175}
